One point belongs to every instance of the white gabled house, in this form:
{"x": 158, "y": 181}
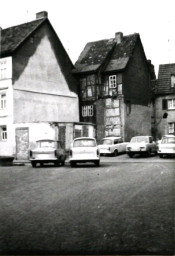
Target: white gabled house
{"x": 38, "y": 93}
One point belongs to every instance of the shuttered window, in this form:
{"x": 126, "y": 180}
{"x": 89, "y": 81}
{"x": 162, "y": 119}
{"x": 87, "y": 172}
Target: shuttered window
{"x": 164, "y": 104}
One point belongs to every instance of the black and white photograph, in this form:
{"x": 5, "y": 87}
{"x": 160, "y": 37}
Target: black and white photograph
{"x": 87, "y": 127}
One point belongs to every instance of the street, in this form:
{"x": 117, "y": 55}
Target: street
{"x": 125, "y": 206}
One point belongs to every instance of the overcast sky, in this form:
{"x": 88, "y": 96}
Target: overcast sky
{"x": 77, "y": 22}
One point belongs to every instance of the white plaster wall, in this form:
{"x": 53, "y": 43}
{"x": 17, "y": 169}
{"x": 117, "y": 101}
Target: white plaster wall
{"x": 35, "y": 107}
{"x": 44, "y": 76}
{"x": 6, "y": 115}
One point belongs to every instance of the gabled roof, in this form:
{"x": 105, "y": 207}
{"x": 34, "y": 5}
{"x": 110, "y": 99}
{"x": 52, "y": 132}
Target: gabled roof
{"x": 12, "y": 37}
{"x": 163, "y": 83}
{"x": 115, "y": 54}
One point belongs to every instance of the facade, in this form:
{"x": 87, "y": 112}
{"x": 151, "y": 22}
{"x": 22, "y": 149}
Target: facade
{"x": 165, "y": 100}
{"x": 115, "y": 86}
{"x": 38, "y": 93}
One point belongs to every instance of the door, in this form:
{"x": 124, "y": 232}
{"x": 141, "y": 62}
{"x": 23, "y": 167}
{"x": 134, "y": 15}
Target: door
{"x": 22, "y": 143}
{"x": 62, "y": 136}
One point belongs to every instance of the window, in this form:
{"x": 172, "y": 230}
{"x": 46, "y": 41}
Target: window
{"x": 107, "y": 142}
{"x": 89, "y": 91}
{"x": 171, "y": 127}
{"x": 84, "y": 143}
{"x": 173, "y": 81}
{"x": 168, "y": 104}
{"x": 3, "y": 133}
{"x": 87, "y": 110}
{"x": 3, "y": 69}
{"x": 112, "y": 81}
{"x": 171, "y": 104}
{"x": 2, "y": 101}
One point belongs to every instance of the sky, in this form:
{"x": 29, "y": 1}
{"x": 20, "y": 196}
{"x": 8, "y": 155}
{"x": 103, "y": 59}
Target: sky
{"x": 78, "y": 22}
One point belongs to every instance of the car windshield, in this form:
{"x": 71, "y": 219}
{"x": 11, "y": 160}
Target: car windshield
{"x": 84, "y": 143}
{"x": 139, "y": 139}
{"x": 46, "y": 144}
{"x": 168, "y": 140}
{"x": 107, "y": 142}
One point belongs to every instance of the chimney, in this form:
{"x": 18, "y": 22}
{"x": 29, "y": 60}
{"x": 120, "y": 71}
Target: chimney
{"x": 118, "y": 37}
{"x": 41, "y": 15}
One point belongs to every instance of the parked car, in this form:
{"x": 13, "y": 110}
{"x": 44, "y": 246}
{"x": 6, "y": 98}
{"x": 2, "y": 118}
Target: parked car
{"x": 166, "y": 146}
{"x": 112, "y": 146}
{"x": 143, "y": 145}
{"x": 47, "y": 151}
{"x": 84, "y": 149}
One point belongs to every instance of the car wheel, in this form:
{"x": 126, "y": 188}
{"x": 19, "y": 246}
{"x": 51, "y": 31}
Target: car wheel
{"x": 155, "y": 153}
{"x": 149, "y": 152}
{"x": 57, "y": 163}
{"x": 161, "y": 156}
{"x": 97, "y": 163}
{"x": 130, "y": 155}
{"x": 115, "y": 152}
{"x": 62, "y": 163}
{"x": 72, "y": 164}
{"x": 33, "y": 164}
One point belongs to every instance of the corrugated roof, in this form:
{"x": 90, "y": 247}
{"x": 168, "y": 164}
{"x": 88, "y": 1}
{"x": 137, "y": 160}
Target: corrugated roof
{"x": 95, "y": 53}
{"x": 163, "y": 83}
{"x": 12, "y": 37}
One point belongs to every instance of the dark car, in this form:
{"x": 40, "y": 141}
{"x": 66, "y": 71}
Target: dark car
{"x": 47, "y": 151}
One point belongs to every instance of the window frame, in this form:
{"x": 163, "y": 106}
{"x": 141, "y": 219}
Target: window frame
{"x": 3, "y": 69}
{"x": 172, "y": 81}
{"x": 113, "y": 81}
{"x": 87, "y": 110}
{"x": 3, "y": 101}
{"x": 171, "y": 130}
{"x": 172, "y": 104}
{"x": 3, "y": 132}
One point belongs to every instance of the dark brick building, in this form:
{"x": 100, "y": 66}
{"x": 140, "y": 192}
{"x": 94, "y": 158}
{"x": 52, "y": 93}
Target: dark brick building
{"x": 115, "y": 86}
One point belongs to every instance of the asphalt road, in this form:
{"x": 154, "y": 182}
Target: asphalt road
{"x": 117, "y": 208}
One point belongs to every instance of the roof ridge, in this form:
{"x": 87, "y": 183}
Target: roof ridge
{"x": 113, "y": 38}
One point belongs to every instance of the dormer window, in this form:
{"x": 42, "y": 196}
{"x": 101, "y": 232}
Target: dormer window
{"x": 172, "y": 81}
{"x": 112, "y": 81}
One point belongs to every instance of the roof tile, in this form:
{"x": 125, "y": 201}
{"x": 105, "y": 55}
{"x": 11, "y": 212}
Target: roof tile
{"x": 163, "y": 84}
{"x": 12, "y": 37}
{"x": 95, "y": 53}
